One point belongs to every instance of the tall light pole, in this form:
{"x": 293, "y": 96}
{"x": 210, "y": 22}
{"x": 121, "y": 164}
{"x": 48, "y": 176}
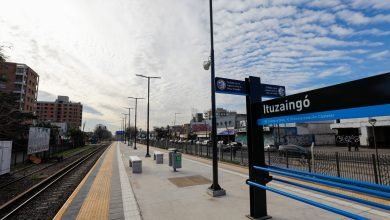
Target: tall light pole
{"x": 147, "y": 128}
{"x": 123, "y": 128}
{"x": 174, "y": 123}
{"x": 135, "y": 121}
{"x": 372, "y": 121}
{"x": 215, "y": 189}
{"x": 124, "y": 131}
{"x": 128, "y": 142}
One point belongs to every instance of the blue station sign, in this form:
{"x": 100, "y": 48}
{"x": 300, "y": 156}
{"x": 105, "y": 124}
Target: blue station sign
{"x": 119, "y": 132}
{"x": 238, "y": 87}
{"x": 230, "y": 86}
{"x": 272, "y": 91}
{"x": 366, "y": 97}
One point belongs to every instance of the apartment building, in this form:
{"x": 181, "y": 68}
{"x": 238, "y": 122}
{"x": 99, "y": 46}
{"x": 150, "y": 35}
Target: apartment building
{"x": 61, "y": 111}
{"x": 22, "y": 81}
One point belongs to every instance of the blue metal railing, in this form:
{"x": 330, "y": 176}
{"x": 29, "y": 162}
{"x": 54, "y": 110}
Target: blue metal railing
{"x": 337, "y": 179}
{"x": 319, "y": 205}
{"x": 363, "y": 201}
{"x": 326, "y": 182}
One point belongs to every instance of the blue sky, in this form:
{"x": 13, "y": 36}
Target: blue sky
{"x": 91, "y": 50}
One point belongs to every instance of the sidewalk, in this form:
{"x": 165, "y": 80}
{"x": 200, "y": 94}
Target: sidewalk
{"x": 161, "y": 197}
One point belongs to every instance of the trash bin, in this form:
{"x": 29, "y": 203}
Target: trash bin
{"x": 176, "y": 160}
{"x": 171, "y": 151}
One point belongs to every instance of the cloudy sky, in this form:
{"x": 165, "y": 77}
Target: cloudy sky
{"x": 90, "y": 50}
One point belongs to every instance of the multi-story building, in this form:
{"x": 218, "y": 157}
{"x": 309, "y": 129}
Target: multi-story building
{"x": 62, "y": 110}
{"x": 21, "y": 80}
{"x": 219, "y": 112}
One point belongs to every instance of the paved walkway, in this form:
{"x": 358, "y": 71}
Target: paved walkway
{"x": 159, "y": 198}
{"x": 112, "y": 191}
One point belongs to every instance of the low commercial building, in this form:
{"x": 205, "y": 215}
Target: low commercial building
{"x": 360, "y": 131}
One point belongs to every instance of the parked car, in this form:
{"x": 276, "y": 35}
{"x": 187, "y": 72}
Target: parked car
{"x": 270, "y": 148}
{"x": 235, "y": 145}
{"x": 206, "y": 142}
{"x": 294, "y": 151}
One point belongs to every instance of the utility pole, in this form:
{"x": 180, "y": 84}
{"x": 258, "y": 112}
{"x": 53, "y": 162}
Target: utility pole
{"x": 147, "y": 128}
{"x": 124, "y": 132}
{"x": 135, "y": 121}
{"x": 129, "y": 126}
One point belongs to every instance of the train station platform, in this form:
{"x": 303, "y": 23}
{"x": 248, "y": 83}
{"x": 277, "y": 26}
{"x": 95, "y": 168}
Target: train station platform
{"x": 112, "y": 191}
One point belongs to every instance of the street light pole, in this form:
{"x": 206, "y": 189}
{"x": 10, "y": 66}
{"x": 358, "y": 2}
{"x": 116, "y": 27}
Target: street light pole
{"x": 372, "y": 121}
{"x": 215, "y": 189}
{"x": 129, "y": 126}
{"x": 124, "y": 132}
{"x": 122, "y": 129}
{"x": 174, "y": 123}
{"x": 147, "y": 128}
{"x": 135, "y": 121}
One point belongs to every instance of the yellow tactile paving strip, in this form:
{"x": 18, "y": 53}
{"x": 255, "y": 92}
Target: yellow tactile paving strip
{"x": 63, "y": 209}
{"x": 97, "y": 203}
{"x": 244, "y": 170}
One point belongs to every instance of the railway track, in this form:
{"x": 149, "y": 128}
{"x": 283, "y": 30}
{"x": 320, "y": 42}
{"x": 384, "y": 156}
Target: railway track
{"x": 17, "y": 183}
{"x": 43, "y": 200}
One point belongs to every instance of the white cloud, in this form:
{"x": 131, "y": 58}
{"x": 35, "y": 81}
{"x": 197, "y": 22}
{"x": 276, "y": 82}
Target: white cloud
{"x": 380, "y": 55}
{"x": 91, "y": 50}
{"x": 358, "y": 18}
{"x": 324, "y": 4}
{"x": 375, "y": 4}
{"x": 341, "y": 31}
{"x": 341, "y": 70}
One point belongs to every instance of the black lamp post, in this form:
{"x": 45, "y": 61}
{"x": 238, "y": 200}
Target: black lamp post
{"x": 372, "y": 121}
{"x": 128, "y": 142}
{"x": 147, "y": 128}
{"x": 174, "y": 124}
{"x": 135, "y": 121}
{"x": 215, "y": 189}
{"x": 124, "y": 130}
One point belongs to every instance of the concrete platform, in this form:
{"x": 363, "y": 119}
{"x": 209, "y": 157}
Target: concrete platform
{"x": 160, "y": 193}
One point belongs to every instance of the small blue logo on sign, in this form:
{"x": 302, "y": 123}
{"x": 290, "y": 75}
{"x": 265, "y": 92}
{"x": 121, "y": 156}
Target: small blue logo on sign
{"x": 282, "y": 92}
{"x": 221, "y": 84}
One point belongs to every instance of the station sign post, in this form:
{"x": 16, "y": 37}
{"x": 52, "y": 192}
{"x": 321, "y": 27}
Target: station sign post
{"x": 366, "y": 97}
{"x": 254, "y": 91}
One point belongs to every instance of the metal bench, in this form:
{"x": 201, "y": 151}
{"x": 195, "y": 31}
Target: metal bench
{"x": 158, "y": 157}
{"x": 136, "y": 163}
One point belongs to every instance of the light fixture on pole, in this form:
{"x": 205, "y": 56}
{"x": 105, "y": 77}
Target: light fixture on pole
{"x": 372, "y": 121}
{"x": 174, "y": 123}
{"x": 121, "y": 126}
{"x": 135, "y": 121}
{"x": 147, "y": 128}
{"x": 128, "y": 142}
{"x": 124, "y": 130}
{"x": 215, "y": 189}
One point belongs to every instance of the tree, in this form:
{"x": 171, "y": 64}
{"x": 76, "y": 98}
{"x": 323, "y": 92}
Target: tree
{"x": 132, "y": 131}
{"x": 101, "y": 133}
{"x": 2, "y": 56}
{"x": 161, "y": 132}
{"x": 13, "y": 122}
{"x": 77, "y": 137}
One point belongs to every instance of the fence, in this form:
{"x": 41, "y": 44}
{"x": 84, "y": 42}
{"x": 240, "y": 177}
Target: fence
{"x": 351, "y": 165}
{"x": 21, "y": 156}
{"x": 371, "y": 189}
